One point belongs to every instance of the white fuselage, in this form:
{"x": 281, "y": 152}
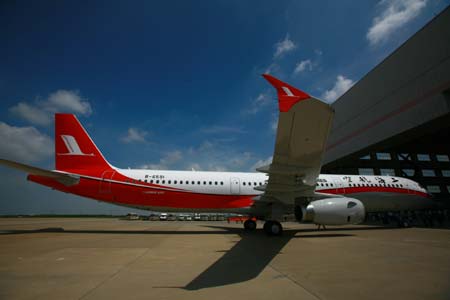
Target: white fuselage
{"x": 378, "y": 193}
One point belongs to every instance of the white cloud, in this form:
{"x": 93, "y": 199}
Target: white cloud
{"x": 261, "y": 163}
{"x": 207, "y": 156}
{"x": 168, "y": 161}
{"x": 41, "y": 112}
{"x": 31, "y": 113}
{"x": 341, "y": 85}
{"x": 134, "y": 135}
{"x": 272, "y": 68}
{"x": 68, "y": 101}
{"x": 195, "y": 167}
{"x": 24, "y": 144}
{"x": 304, "y": 65}
{"x": 395, "y": 14}
{"x": 283, "y": 47}
{"x": 262, "y": 100}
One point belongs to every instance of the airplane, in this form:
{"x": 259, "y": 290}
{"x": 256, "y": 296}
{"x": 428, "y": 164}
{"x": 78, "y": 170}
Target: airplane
{"x": 291, "y": 184}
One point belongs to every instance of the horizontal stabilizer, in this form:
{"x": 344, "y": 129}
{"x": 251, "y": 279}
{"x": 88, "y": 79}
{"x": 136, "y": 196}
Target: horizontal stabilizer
{"x": 64, "y": 178}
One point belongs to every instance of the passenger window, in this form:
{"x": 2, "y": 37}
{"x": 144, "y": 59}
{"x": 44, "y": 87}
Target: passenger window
{"x": 175, "y": 182}
{"x": 193, "y": 182}
{"x": 204, "y": 182}
{"x": 243, "y": 183}
{"x": 215, "y": 182}
{"x": 145, "y": 180}
{"x": 210, "y": 183}
{"x": 198, "y": 182}
{"x": 163, "y": 181}
{"x": 181, "y": 181}
{"x": 169, "y": 182}
{"x": 187, "y": 181}
{"x": 157, "y": 181}
{"x": 221, "y": 183}
{"x": 151, "y": 181}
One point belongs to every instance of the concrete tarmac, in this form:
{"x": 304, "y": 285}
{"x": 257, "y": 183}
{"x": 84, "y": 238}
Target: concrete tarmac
{"x": 86, "y": 258}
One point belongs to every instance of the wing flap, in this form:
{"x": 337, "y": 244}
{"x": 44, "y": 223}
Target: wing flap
{"x": 64, "y": 178}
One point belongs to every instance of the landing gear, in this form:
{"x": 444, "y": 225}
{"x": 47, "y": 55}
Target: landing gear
{"x": 321, "y": 225}
{"x": 249, "y": 225}
{"x": 273, "y": 228}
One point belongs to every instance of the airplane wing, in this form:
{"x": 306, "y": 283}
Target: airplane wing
{"x": 303, "y": 126}
{"x": 64, "y": 178}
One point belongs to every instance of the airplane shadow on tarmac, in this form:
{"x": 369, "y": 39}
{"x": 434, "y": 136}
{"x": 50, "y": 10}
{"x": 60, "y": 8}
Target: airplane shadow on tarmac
{"x": 251, "y": 254}
{"x": 242, "y": 262}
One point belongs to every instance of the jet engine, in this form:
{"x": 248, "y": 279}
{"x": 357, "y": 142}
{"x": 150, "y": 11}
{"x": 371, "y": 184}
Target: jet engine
{"x": 332, "y": 211}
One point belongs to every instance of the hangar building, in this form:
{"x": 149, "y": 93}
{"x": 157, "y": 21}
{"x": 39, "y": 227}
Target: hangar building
{"x": 396, "y": 119}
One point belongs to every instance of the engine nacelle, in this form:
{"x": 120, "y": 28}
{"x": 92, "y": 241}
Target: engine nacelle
{"x": 334, "y": 211}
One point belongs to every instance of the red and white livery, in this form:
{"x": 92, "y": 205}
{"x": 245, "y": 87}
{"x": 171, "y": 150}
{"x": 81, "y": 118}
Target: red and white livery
{"x": 290, "y": 184}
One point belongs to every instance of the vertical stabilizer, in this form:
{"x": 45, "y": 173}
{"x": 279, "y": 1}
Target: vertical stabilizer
{"x": 74, "y": 149}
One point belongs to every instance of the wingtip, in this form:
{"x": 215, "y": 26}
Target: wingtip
{"x": 288, "y": 95}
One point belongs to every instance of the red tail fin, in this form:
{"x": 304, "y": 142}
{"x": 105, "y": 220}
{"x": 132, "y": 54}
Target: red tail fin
{"x": 75, "y": 151}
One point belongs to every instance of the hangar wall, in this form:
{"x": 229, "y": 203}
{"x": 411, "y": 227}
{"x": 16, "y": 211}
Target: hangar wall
{"x": 401, "y": 107}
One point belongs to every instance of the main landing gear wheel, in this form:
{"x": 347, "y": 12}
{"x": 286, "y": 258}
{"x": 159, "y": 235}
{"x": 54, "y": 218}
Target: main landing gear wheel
{"x": 273, "y": 228}
{"x": 249, "y": 225}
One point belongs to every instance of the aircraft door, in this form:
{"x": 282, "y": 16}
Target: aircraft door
{"x": 105, "y": 184}
{"x": 235, "y": 186}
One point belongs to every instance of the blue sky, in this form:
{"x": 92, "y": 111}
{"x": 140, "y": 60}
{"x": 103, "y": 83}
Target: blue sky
{"x": 175, "y": 85}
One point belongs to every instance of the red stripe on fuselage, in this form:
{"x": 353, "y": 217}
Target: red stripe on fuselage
{"x": 373, "y": 189}
{"x": 147, "y": 196}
